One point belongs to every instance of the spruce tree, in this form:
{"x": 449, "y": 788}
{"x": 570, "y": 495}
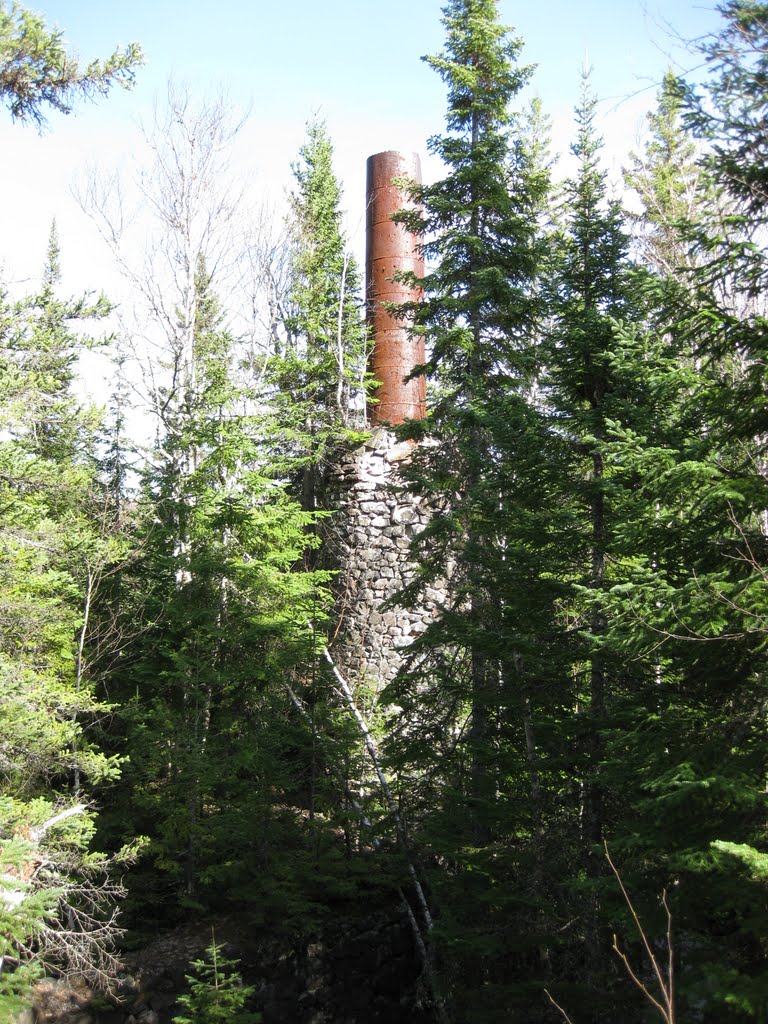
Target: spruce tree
{"x": 464, "y": 707}
{"x": 678, "y": 607}
{"x": 323, "y": 326}
{"x": 697, "y": 598}
{"x": 216, "y": 992}
{"x": 585, "y": 385}
{"x": 319, "y": 368}
{"x": 37, "y": 72}
{"x": 56, "y": 897}
{"x": 593, "y": 291}
{"x": 732, "y": 117}
{"x": 226, "y": 613}
{"x": 668, "y": 182}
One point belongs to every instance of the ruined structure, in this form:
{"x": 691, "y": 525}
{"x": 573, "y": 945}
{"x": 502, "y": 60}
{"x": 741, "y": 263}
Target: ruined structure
{"x": 376, "y": 517}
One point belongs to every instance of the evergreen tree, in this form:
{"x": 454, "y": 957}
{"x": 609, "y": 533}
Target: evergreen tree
{"x": 733, "y": 119}
{"x": 217, "y": 994}
{"x": 650, "y": 400}
{"x": 220, "y": 715}
{"x": 593, "y": 291}
{"x": 52, "y": 554}
{"x": 227, "y": 614}
{"x": 323, "y": 326}
{"x": 466, "y": 712}
{"x": 37, "y": 72}
{"x": 668, "y": 182}
{"x": 320, "y": 368}
{"x": 697, "y": 598}
{"x": 603, "y": 377}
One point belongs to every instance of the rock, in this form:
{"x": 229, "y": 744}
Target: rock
{"x": 126, "y": 988}
{"x": 369, "y": 544}
{"x": 401, "y": 451}
{"x": 59, "y": 1001}
{"x": 405, "y": 514}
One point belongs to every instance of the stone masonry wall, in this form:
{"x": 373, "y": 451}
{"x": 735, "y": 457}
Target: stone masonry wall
{"x": 368, "y": 543}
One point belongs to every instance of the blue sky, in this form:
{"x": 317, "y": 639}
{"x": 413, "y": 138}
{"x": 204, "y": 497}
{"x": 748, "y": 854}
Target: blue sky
{"x": 356, "y": 62}
{"x": 351, "y": 52}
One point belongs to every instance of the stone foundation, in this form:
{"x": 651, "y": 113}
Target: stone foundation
{"x": 368, "y": 543}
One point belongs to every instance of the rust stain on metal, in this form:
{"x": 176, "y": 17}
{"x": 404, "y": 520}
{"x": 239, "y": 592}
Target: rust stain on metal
{"x": 390, "y": 248}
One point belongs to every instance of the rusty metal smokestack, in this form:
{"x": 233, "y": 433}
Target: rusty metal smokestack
{"x": 389, "y": 248}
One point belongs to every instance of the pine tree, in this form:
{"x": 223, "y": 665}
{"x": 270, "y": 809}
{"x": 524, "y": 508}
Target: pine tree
{"x": 56, "y": 906}
{"x": 320, "y": 368}
{"x": 227, "y": 613}
{"x": 37, "y": 71}
{"x": 217, "y": 994}
{"x": 465, "y": 709}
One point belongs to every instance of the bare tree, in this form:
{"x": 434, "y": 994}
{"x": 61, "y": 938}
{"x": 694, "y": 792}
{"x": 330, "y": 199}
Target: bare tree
{"x": 181, "y": 204}
{"x": 58, "y": 905}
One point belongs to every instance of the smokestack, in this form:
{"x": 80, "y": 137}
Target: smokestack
{"x": 389, "y": 248}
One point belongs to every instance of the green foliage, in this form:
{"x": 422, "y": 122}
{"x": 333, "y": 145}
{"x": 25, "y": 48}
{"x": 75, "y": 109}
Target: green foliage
{"x": 596, "y": 514}
{"x": 753, "y": 859}
{"x": 217, "y": 994}
{"x": 325, "y": 337}
{"x": 319, "y": 366}
{"x": 669, "y": 184}
{"x": 732, "y": 117}
{"x": 54, "y": 550}
{"x": 48, "y": 534}
{"x": 474, "y": 673}
{"x": 225, "y": 619}
{"x": 37, "y": 72}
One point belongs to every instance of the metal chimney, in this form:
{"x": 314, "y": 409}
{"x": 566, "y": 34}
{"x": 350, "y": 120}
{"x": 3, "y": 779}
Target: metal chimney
{"x": 389, "y": 248}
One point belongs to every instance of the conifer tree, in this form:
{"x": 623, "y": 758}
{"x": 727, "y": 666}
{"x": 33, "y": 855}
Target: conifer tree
{"x": 668, "y": 183}
{"x": 673, "y": 638}
{"x": 698, "y": 596}
{"x": 320, "y": 370}
{"x": 323, "y": 322}
{"x": 217, "y": 994}
{"x": 480, "y": 229}
{"x": 733, "y": 119}
{"x": 593, "y": 291}
{"x": 57, "y": 900}
{"x": 37, "y": 72}
{"x": 226, "y": 614}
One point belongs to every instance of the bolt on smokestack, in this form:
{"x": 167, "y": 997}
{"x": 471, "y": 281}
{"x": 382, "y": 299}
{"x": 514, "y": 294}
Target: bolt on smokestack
{"x": 391, "y": 248}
